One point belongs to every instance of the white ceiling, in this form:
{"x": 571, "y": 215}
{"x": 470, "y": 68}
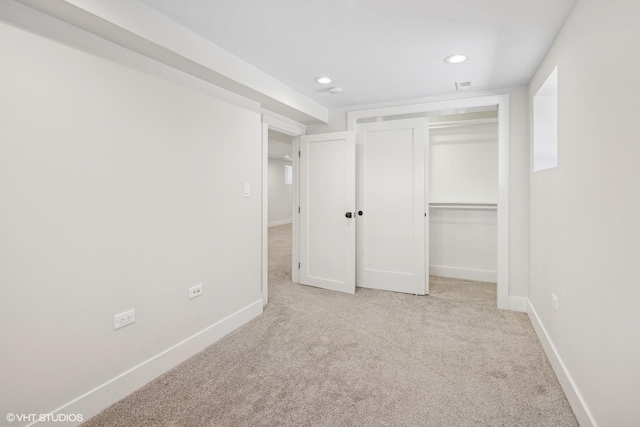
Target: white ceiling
{"x": 379, "y": 50}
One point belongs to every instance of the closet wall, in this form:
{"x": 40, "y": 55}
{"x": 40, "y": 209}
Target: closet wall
{"x": 463, "y": 194}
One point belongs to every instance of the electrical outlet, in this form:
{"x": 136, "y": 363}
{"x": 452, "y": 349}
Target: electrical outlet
{"x": 554, "y": 301}
{"x": 195, "y": 291}
{"x": 122, "y": 319}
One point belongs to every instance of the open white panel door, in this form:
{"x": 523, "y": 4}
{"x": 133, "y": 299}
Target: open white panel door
{"x": 392, "y": 205}
{"x": 327, "y": 211}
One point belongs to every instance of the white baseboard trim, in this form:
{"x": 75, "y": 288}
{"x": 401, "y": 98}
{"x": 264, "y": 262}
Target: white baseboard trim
{"x": 518, "y": 304}
{"x": 105, "y": 395}
{"x": 578, "y": 405}
{"x": 280, "y": 222}
{"x": 463, "y": 273}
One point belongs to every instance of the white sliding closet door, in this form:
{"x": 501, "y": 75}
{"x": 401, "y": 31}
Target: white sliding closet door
{"x": 327, "y": 205}
{"x": 392, "y": 223}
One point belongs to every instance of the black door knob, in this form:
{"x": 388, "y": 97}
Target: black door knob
{"x": 348, "y": 215}
{"x": 360, "y": 213}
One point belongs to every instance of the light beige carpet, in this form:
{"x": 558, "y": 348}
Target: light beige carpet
{"x": 321, "y": 358}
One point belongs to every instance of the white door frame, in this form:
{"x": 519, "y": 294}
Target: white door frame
{"x": 294, "y": 130}
{"x": 502, "y": 103}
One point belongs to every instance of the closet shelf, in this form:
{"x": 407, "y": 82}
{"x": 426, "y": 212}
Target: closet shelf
{"x": 464, "y": 205}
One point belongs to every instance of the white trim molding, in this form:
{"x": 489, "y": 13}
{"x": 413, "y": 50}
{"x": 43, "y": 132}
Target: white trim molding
{"x": 105, "y": 395}
{"x": 273, "y": 121}
{"x": 501, "y": 102}
{"x": 577, "y": 402}
{"x": 295, "y": 231}
{"x": 282, "y": 124}
{"x": 265, "y": 212}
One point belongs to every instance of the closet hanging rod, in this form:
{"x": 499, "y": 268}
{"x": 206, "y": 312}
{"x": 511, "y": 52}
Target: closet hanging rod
{"x": 464, "y": 205}
{"x": 431, "y": 202}
{"x": 467, "y": 207}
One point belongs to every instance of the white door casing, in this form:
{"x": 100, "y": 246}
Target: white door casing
{"x": 294, "y": 130}
{"x": 327, "y": 194}
{"x": 393, "y": 230}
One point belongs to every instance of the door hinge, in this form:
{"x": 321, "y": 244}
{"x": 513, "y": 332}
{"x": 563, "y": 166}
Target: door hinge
{"x": 299, "y": 155}
{"x": 298, "y": 209}
{"x": 298, "y": 266}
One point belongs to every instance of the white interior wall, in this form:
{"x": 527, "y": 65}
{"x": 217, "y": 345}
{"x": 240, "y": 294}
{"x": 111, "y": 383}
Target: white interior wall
{"x": 584, "y": 215}
{"x": 463, "y": 168}
{"x": 280, "y": 193}
{"x": 463, "y": 244}
{"x": 112, "y": 182}
{"x": 463, "y": 163}
{"x": 518, "y": 174}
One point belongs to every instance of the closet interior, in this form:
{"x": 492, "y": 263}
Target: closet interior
{"x": 463, "y": 195}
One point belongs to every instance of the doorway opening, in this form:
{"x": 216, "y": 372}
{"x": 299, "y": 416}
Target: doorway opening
{"x": 280, "y": 201}
{"x": 497, "y": 204}
{"x": 279, "y": 184}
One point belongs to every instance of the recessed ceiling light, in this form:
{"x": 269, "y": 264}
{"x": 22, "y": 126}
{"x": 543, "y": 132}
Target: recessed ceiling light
{"x": 456, "y": 59}
{"x": 323, "y": 80}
